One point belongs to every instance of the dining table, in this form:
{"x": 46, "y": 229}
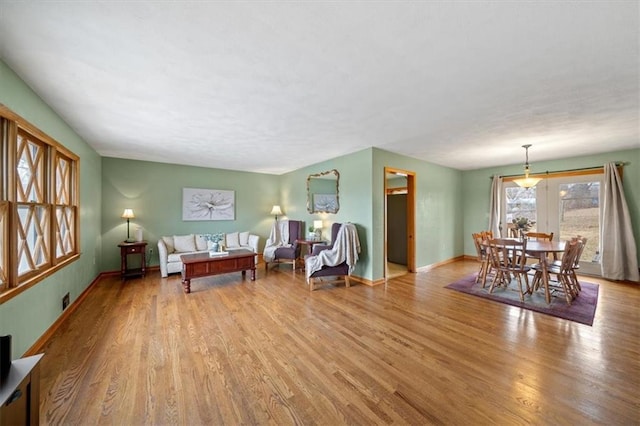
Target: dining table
{"x": 542, "y": 249}
{"x": 535, "y": 248}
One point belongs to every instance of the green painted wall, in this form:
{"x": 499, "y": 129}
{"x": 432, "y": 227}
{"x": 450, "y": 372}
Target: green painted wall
{"x": 145, "y": 186}
{"x": 154, "y": 192}
{"x": 355, "y": 200}
{"x": 439, "y": 209}
{"x": 27, "y": 316}
{"x": 438, "y": 205}
{"x": 477, "y": 187}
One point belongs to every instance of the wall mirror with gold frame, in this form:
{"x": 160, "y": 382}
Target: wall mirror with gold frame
{"x": 323, "y": 192}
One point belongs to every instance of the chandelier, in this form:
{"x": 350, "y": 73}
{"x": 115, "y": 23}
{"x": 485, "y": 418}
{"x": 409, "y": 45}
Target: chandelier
{"x": 526, "y": 181}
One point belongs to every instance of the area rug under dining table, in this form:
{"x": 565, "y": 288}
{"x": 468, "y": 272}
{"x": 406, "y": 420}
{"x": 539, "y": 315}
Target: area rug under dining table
{"x": 582, "y": 308}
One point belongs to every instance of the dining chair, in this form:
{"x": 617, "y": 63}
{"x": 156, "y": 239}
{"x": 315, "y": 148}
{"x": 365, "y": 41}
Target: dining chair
{"x": 487, "y": 235}
{"x": 512, "y": 231}
{"x": 482, "y": 252}
{"x": 576, "y": 262}
{"x": 539, "y": 236}
{"x": 562, "y": 270}
{"x": 507, "y": 260}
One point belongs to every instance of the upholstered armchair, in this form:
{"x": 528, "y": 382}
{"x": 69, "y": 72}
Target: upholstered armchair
{"x": 317, "y": 248}
{"x": 281, "y": 247}
{"x": 335, "y": 260}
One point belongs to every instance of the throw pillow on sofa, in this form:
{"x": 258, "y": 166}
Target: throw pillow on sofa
{"x": 244, "y": 238}
{"x": 201, "y": 243}
{"x": 184, "y": 243}
{"x": 232, "y": 239}
{"x": 168, "y": 241}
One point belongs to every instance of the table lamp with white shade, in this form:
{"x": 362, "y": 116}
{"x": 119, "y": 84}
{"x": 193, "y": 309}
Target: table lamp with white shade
{"x": 128, "y": 214}
{"x": 276, "y": 210}
{"x": 317, "y": 227}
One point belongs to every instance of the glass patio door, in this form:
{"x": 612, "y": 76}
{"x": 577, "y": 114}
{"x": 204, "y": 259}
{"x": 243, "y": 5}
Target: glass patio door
{"x": 567, "y": 206}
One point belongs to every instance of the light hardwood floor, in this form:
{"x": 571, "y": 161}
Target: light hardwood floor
{"x": 395, "y": 270}
{"x": 270, "y": 352}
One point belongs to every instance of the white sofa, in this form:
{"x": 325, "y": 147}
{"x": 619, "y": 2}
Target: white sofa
{"x": 172, "y": 247}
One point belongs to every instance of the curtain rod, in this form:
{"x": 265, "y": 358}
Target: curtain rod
{"x": 617, "y": 163}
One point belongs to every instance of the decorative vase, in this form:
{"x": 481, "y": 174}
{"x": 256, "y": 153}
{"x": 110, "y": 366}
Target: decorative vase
{"x": 215, "y": 247}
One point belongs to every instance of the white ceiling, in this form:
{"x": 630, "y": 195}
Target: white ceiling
{"x": 274, "y": 86}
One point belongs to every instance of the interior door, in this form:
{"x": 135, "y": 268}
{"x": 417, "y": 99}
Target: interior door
{"x": 397, "y": 228}
{"x": 399, "y": 219}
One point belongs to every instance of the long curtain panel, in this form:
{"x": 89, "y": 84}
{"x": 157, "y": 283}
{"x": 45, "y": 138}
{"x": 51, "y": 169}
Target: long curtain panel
{"x": 619, "y": 252}
{"x": 494, "y": 205}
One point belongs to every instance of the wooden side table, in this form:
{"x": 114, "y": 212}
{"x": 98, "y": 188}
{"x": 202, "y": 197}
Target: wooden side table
{"x": 309, "y": 244}
{"x": 136, "y": 248}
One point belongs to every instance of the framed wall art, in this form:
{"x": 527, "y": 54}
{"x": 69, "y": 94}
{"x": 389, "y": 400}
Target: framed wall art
{"x": 208, "y": 204}
{"x": 325, "y": 203}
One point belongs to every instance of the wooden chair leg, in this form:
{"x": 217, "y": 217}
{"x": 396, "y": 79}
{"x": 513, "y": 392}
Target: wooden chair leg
{"x": 566, "y": 287}
{"x": 535, "y": 284}
{"x": 496, "y": 280}
{"x": 488, "y": 270}
{"x": 519, "y": 279}
{"x": 484, "y": 270}
{"x": 574, "y": 278}
{"x": 526, "y": 282}
{"x": 482, "y": 273}
{"x": 337, "y": 279}
{"x": 573, "y": 285}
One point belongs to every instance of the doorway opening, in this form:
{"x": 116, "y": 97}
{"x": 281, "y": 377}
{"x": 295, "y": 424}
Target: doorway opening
{"x": 399, "y": 222}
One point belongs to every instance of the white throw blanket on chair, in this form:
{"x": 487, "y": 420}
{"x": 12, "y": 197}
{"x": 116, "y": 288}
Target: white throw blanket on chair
{"x": 279, "y": 237}
{"x": 345, "y": 248}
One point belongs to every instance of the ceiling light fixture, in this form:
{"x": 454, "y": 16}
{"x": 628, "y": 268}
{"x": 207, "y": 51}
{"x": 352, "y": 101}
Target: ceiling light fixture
{"x": 527, "y": 182}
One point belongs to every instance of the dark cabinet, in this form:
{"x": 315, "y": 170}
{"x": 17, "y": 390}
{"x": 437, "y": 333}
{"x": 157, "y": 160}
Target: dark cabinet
{"x": 20, "y": 393}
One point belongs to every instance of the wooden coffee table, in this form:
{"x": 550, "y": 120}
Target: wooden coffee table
{"x": 204, "y": 265}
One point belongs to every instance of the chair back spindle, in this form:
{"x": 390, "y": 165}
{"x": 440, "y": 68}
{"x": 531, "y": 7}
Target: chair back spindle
{"x": 507, "y": 257}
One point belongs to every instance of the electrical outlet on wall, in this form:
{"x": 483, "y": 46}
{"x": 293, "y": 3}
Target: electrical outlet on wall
{"x": 65, "y": 301}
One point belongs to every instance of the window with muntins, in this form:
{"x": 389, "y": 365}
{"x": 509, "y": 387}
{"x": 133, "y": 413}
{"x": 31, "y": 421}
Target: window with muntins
{"x": 38, "y": 205}
{"x": 33, "y": 211}
{"x": 65, "y": 216}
